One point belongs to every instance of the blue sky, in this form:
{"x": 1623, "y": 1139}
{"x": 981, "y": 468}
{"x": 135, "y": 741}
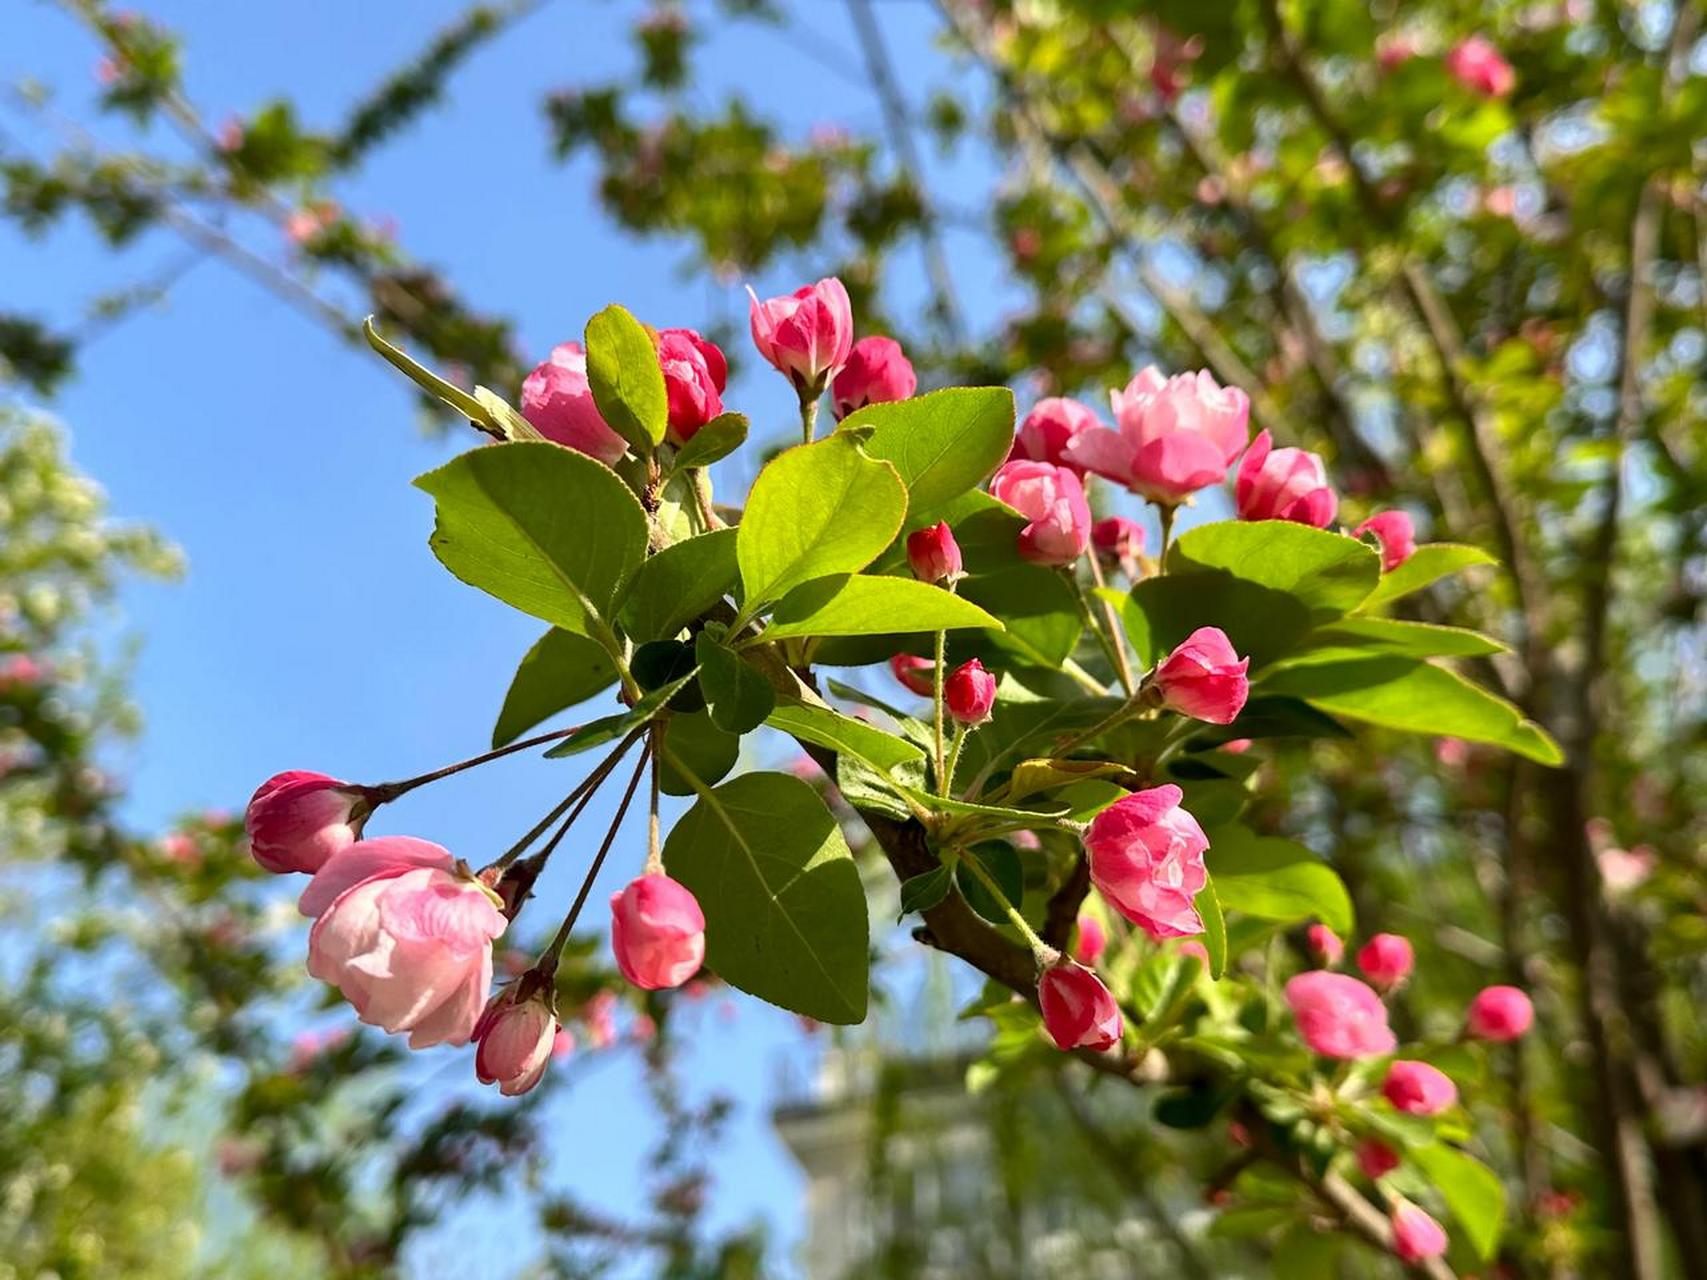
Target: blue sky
{"x": 314, "y": 629}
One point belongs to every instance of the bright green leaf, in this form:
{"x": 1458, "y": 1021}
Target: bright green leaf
{"x": 560, "y": 670}
{"x": 626, "y": 378}
{"x": 610, "y": 728}
{"x": 943, "y": 443}
{"x": 717, "y": 439}
{"x": 1208, "y": 905}
{"x": 678, "y": 584}
{"x": 1329, "y": 572}
{"x": 857, "y": 604}
{"x": 1276, "y": 879}
{"x": 784, "y": 909}
{"x": 1395, "y": 635}
{"x": 844, "y": 735}
{"x": 1427, "y": 564}
{"x": 1471, "y": 1190}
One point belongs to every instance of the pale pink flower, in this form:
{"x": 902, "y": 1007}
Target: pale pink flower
{"x": 1480, "y": 67}
{"x": 1051, "y": 426}
{"x": 806, "y": 335}
{"x": 657, "y": 932}
{"x": 1053, "y": 501}
{"x": 558, "y": 401}
{"x": 1284, "y": 484}
{"x": 517, "y": 1037}
{"x": 1338, "y": 1016}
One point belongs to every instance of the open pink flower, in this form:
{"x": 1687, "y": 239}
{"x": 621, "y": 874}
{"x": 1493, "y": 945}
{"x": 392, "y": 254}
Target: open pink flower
{"x": 406, "y": 935}
{"x": 1176, "y": 435}
{"x": 516, "y": 1038}
{"x": 1338, "y": 1016}
{"x": 1499, "y": 1014}
{"x": 1078, "y": 1011}
{"x": 298, "y": 819}
{"x": 1416, "y": 1236}
{"x": 1146, "y": 856}
{"x": 1478, "y": 65}
{"x": 806, "y": 335}
{"x": 1284, "y": 484}
{"x": 657, "y": 932}
{"x": 1418, "y": 1088}
{"x": 1386, "y": 959}
{"x": 1051, "y": 426}
{"x": 1053, "y": 500}
{"x": 558, "y": 401}
{"x": 1396, "y": 535}
{"x": 1204, "y": 678}
{"x": 695, "y": 373}
{"x": 877, "y": 372}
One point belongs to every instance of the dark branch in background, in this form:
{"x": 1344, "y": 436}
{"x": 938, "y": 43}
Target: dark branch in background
{"x": 896, "y": 125}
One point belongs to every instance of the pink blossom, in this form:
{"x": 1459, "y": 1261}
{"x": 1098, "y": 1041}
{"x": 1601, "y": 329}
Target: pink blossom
{"x": 1418, "y": 1088}
{"x": 1121, "y": 538}
{"x": 1386, "y": 959}
{"x": 1324, "y": 944}
{"x": 1625, "y": 869}
{"x": 1284, "y": 484}
{"x": 1175, "y": 436}
{"x": 933, "y": 554}
{"x": 1395, "y": 48}
{"x": 1053, "y": 501}
{"x": 406, "y": 933}
{"x": 1078, "y": 1011}
{"x": 1204, "y": 678}
{"x": 969, "y": 693}
{"x": 914, "y": 673}
{"x": 657, "y": 932}
{"x": 562, "y": 1044}
{"x": 230, "y": 137}
{"x": 1196, "y": 950}
{"x": 806, "y": 335}
{"x": 1093, "y": 941}
{"x": 1051, "y": 426}
{"x": 1416, "y": 1236}
{"x": 600, "y": 1017}
{"x": 180, "y": 847}
{"x": 877, "y": 372}
{"x": 1475, "y": 63}
{"x": 1499, "y": 1014}
{"x": 1236, "y": 746}
{"x": 21, "y": 671}
{"x": 1395, "y": 534}
{"x": 1338, "y": 1016}
{"x": 558, "y": 401}
{"x": 1376, "y": 1158}
{"x": 297, "y": 820}
{"x": 695, "y": 373}
{"x": 1146, "y": 857}
{"x": 516, "y": 1039}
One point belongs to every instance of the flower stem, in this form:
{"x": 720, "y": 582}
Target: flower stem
{"x": 960, "y": 732}
{"x": 808, "y": 416}
{"x": 937, "y": 678}
{"x": 1165, "y": 512}
{"x": 387, "y": 791}
{"x": 1041, "y": 951}
{"x": 582, "y": 793}
{"x": 556, "y": 946}
{"x": 654, "y": 846}
{"x": 1116, "y": 633}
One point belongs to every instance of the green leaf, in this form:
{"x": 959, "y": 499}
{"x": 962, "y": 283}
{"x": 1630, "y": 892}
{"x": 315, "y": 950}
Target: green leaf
{"x": 1271, "y": 717}
{"x": 1393, "y": 635}
{"x": 678, "y": 584}
{"x": 858, "y": 605}
{"x": 1276, "y": 879}
{"x": 544, "y": 529}
{"x": 1427, "y": 564}
{"x": 626, "y": 378}
{"x": 659, "y": 662}
{"x": 1032, "y": 777}
{"x": 816, "y": 510}
{"x": 844, "y": 735}
{"x": 785, "y": 916}
{"x": 942, "y": 444}
{"x": 1001, "y": 862}
{"x": 501, "y": 415}
{"x": 469, "y": 406}
{"x": 1133, "y": 621}
{"x": 702, "y": 747}
{"x": 1471, "y": 1190}
{"x": 560, "y": 670}
{"x": 716, "y": 440}
{"x": 739, "y": 694}
{"x": 1409, "y": 694}
{"x": 1208, "y": 905}
{"x": 924, "y": 891}
{"x": 1038, "y": 608}
{"x": 610, "y": 728}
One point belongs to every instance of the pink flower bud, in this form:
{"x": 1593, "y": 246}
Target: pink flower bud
{"x": 934, "y": 554}
{"x": 1324, "y": 944}
{"x": 1499, "y": 1014}
{"x": 1122, "y": 540}
{"x": 969, "y": 692}
{"x": 657, "y": 932}
{"x": 1078, "y": 1011}
{"x": 877, "y": 372}
{"x": 1376, "y": 1158}
{"x": 1049, "y": 428}
{"x": 516, "y": 1039}
{"x": 1625, "y": 869}
{"x": 1476, "y": 64}
{"x": 914, "y": 673}
{"x": 1416, "y": 1236}
{"x": 1146, "y": 856}
{"x": 1093, "y": 941}
{"x": 1338, "y": 1016}
{"x": 1418, "y": 1088}
{"x": 1284, "y": 484}
{"x": 1176, "y": 435}
{"x": 406, "y": 936}
{"x": 1395, "y": 534}
{"x": 558, "y": 401}
{"x": 1053, "y": 500}
{"x": 1203, "y": 678}
{"x": 1386, "y": 959}
{"x": 1196, "y": 950}
{"x": 297, "y": 820}
{"x": 806, "y": 335}
{"x": 695, "y": 374}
